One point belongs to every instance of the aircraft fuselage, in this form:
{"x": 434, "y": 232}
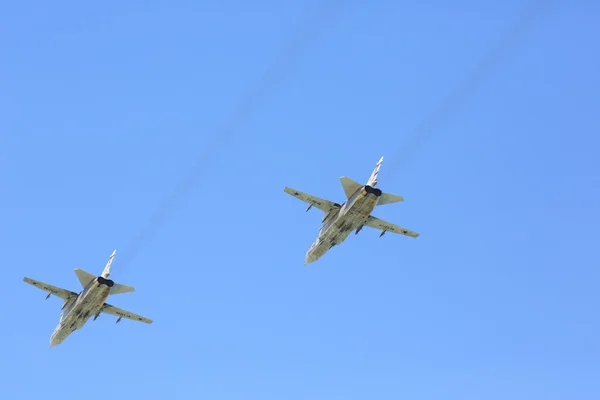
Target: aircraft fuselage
{"x": 77, "y": 312}
{"x": 338, "y": 224}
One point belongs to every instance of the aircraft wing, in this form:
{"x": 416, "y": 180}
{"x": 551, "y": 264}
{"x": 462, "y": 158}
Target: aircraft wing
{"x": 321, "y": 204}
{"x": 59, "y": 292}
{"x": 385, "y": 226}
{"x": 112, "y": 310}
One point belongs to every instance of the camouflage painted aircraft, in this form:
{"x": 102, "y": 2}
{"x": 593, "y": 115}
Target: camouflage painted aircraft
{"x": 78, "y": 308}
{"x": 340, "y": 220}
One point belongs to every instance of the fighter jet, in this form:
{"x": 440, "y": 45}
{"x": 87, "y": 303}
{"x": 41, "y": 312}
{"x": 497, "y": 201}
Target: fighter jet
{"x": 340, "y": 220}
{"x": 78, "y": 308}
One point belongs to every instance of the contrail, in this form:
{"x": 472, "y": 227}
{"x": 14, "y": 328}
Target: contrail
{"x": 428, "y": 127}
{"x": 307, "y": 34}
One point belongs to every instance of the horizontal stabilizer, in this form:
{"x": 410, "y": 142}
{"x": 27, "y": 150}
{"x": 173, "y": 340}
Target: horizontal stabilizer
{"x": 350, "y": 186}
{"x": 118, "y": 289}
{"x": 84, "y": 277}
{"x": 387, "y": 198}
{"x": 119, "y": 312}
{"x": 58, "y": 292}
{"x": 373, "y": 222}
{"x": 321, "y": 204}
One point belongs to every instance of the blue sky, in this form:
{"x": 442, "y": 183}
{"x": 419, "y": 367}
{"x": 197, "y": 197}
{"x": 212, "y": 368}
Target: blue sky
{"x": 106, "y": 108}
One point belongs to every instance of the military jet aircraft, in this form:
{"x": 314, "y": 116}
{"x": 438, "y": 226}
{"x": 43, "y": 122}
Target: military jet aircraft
{"x": 78, "y": 308}
{"x": 340, "y": 220}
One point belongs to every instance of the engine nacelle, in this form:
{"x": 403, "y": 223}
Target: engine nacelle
{"x": 372, "y": 190}
{"x": 104, "y": 281}
{"x": 332, "y": 212}
{"x": 68, "y": 304}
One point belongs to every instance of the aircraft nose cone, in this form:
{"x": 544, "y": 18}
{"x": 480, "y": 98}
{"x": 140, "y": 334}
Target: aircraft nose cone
{"x": 310, "y": 258}
{"x": 54, "y": 341}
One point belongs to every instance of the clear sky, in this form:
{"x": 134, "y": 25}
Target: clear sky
{"x": 106, "y": 107}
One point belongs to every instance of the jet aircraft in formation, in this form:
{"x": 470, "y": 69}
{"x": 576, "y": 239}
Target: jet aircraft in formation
{"x": 78, "y": 308}
{"x": 353, "y": 214}
{"x": 338, "y": 222}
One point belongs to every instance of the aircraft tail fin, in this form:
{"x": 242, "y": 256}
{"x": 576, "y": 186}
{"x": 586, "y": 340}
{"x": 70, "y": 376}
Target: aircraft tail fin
{"x": 373, "y": 178}
{"x": 106, "y": 271}
{"x": 84, "y": 277}
{"x": 350, "y": 186}
{"x": 387, "y": 198}
{"x": 118, "y": 289}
